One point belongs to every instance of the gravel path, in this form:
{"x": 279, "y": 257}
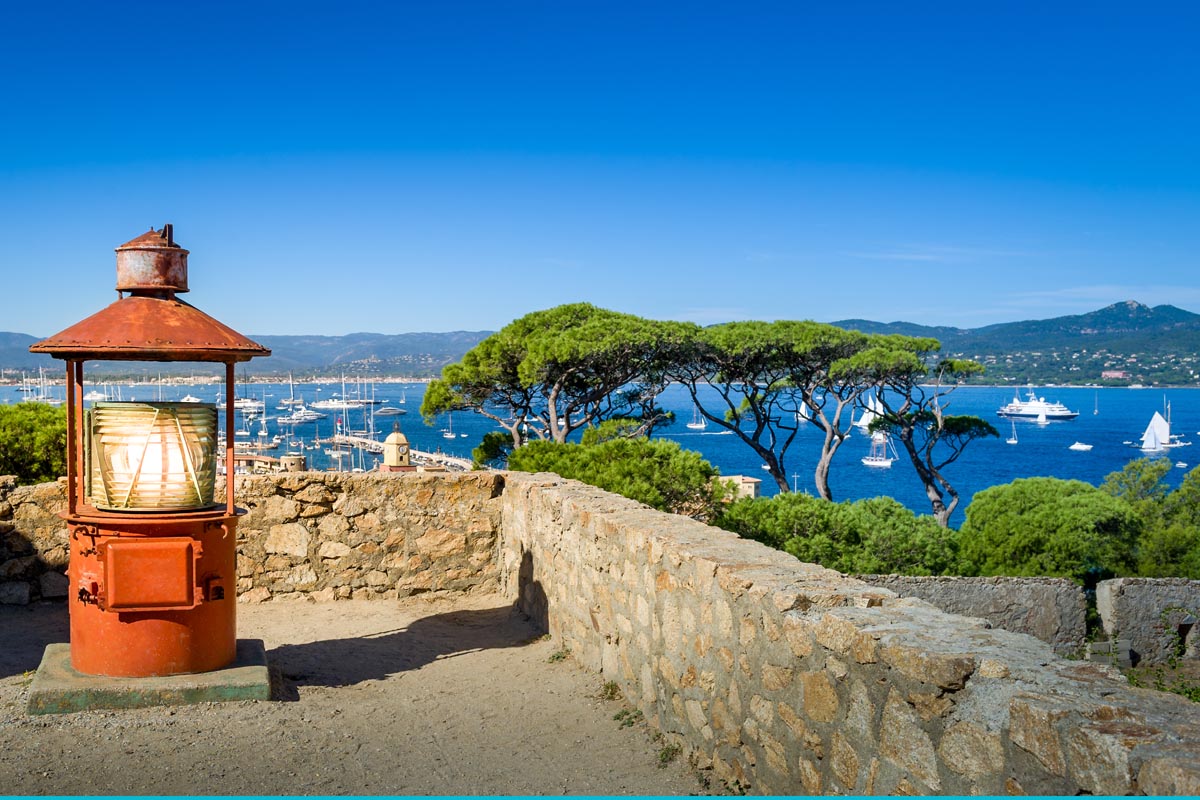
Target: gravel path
{"x": 422, "y": 696}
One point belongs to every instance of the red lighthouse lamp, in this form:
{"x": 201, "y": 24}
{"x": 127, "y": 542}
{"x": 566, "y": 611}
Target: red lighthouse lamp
{"x": 152, "y": 563}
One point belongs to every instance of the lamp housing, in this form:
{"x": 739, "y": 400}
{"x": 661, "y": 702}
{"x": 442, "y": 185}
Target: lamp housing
{"x": 151, "y": 456}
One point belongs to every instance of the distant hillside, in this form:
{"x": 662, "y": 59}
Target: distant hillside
{"x": 1138, "y": 343}
{"x": 14, "y": 353}
{"x": 408, "y": 354}
{"x": 415, "y": 354}
{"x": 1148, "y": 345}
{"x": 1122, "y": 327}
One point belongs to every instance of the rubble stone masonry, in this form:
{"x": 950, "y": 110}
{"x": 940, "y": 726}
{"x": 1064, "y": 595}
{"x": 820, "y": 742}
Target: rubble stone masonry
{"x": 779, "y": 676}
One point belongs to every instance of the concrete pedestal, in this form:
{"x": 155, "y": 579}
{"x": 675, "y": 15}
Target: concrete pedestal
{"x": 58, "y": 688}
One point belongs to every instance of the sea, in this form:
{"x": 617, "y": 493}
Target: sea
{"x": 1111, "y": 420}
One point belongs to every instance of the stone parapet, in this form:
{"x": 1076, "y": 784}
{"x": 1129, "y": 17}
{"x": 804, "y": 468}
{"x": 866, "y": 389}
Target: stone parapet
{"x": 1051, "y": 609}
{"x": 337, "y": 535}
{"x": 1155, "y": 617}
{"x": 327, "y": 535}
{"x": 788, "y": 678}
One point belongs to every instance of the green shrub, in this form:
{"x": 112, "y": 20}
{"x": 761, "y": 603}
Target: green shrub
{"x": 656, "y": 472}
{"x": 877, "y": 535}
{"x": 33, "y": 442}
{"x": 1048, "y": 527}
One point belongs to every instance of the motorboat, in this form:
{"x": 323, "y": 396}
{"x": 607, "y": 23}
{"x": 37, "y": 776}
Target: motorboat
{"x": 1080, "y": 447}
{"x": 248, "y": 404}
{"x": 1034, "y": 407}
{"x": 389, "y": 411}
{"x": 191, "y": 398}
{"x": 299, "y": 414}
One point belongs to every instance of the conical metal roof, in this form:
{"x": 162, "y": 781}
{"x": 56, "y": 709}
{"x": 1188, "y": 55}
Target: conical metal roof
{"x": 141, "y": 328}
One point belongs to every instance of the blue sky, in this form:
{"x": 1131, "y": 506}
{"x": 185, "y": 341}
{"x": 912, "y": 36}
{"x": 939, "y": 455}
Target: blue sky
{"x": 341, "y": 167}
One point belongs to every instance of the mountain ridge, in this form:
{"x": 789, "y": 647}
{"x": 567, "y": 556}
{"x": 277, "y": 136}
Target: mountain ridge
{"x": 1120, "y": 337}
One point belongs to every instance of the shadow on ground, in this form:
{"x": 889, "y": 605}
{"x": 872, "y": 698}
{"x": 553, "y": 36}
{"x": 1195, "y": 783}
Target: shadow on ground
{"x": 376, "y": 656}
{"x": 26, "y": 630}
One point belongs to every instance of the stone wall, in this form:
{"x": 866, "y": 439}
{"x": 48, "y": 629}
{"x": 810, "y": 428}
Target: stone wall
{"x": 1051, "y": 609}
{"x": 785, "y": 677}
{"x": 330, "y": 535}
{"x": 339, "y": 535}
{"x": 33, "y": 542}
{"x": 1156, "y": 616}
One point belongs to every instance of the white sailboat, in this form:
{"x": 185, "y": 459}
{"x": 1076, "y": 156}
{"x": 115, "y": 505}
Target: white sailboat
{"x": 878, "y": 457}
{"x": 1013, "y": 439}
{"x": 698, "y": 422}
{"x": 872, "y": 410}
{"x": 1158, "y": 436}
{"x": 448, "y": 433}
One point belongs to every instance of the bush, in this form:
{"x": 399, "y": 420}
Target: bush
{"x": 1048, "y": 527}
{"x": 1169, "y": 546}
{"x": 33, "y": 442}
{"x": 656, "y": 472}
{"x": 874, "y": 536}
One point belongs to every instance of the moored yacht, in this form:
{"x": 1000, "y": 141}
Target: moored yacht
{"x": 1035, "y": 407}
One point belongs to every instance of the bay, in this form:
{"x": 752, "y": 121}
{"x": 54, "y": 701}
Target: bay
{"x": 1108, "y": 418}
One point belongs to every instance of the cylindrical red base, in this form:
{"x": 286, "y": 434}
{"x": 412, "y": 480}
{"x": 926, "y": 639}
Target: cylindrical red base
{"x": 152, "y": 594}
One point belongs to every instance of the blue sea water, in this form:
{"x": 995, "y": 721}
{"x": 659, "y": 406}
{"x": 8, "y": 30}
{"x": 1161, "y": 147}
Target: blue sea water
{"x": 1107, "y": 419}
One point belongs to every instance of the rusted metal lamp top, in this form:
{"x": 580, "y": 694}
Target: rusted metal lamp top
{"x": 148, "y": 322}
{"x": 151, "y": 323}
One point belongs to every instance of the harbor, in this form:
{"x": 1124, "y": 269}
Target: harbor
{"x": 1102, "y": 431}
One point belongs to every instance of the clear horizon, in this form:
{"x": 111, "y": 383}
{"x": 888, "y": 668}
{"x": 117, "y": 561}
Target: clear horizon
{"x": 411, "y": 168}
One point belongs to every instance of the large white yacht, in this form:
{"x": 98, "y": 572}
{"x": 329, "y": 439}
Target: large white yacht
{"x": 1035, "y": 407}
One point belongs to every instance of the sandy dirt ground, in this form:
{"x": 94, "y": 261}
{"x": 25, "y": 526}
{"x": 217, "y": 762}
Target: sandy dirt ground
{"x": 422, "y": 696}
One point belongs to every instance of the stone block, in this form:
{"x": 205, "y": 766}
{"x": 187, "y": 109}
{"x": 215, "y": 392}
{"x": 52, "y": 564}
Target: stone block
{"x": 905, "y": 742}
{"x": 843, "y": 761}
{"x": 290, "y": 539}
{"x": 972, "y": 751}
{"x": 1033, "y": 727}
{"x": 820, "y": 696}
{"x": 943, "y": 670}
{"x": 53, "y": 585}
{"x": 15, "y": 593}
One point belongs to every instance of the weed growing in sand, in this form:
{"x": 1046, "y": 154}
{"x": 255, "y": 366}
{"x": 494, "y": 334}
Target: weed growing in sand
{"x": 668, "y": 754}
{"x": 628, "y": 716}
{"x": 559, "y": 655}
{"x": 610, "y": 691}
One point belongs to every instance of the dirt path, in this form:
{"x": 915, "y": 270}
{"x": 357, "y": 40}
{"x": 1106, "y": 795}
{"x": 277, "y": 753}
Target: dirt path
{"x": 416, "y": 697}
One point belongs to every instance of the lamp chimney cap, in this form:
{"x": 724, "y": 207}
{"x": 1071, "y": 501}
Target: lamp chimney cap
{"x": 152, "y": 262}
